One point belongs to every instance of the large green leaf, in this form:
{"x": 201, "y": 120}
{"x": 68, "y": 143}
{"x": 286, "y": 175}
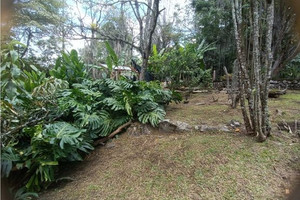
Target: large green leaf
{"x": 153, "y": 117}
{"x": 14, "y": 56}
{"x": 112, "y": 54}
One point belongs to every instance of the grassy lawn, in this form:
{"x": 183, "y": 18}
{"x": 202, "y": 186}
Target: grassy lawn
{"x": 191, "y": 165}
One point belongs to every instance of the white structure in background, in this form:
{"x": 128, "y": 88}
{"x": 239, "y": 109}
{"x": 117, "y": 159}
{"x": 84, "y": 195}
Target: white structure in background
{"x": 117, "y": 71}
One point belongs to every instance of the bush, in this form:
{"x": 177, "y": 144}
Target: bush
{"x": 291, "y": 71}
{"x": 55, "y": 119}
{"x": 182, "y": 66}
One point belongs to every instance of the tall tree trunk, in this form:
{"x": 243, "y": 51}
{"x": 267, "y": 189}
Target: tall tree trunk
{"x": 147, "y": 31}
{"x": 256, "y": 75}
{"x": 144, "y": 67}
{"x": 241, "y": 57}
{"x": 268, "y": 63}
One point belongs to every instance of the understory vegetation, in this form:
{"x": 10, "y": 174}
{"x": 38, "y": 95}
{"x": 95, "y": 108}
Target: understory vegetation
{"x": 52, "y": 118}
{"x": 182, "y": 66}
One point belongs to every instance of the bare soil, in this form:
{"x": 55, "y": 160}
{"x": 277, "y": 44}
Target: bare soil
{"x": 190, "y": 165}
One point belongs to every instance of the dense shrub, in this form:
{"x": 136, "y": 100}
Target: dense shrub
{"x": 291, "y": 70}
{"x": 47, "y": 120}
{"x": 182, "y": 66}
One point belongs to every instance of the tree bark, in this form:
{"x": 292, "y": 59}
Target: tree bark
{"x": 146, "y": 30}
{"x": 256, "y": 75}
{"x": 268, "y": 63}
{"x": 241, "y": 57}
{"x": 255, "y": 67}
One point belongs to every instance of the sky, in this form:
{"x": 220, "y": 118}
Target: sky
{"x": 169, "y": 5}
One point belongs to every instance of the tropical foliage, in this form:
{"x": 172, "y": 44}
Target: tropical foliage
{"x": 291, "y": 71}
{"x": 213, "y": 21}
{"x": 47, "y": 120}
{"x": 182, "y": 65}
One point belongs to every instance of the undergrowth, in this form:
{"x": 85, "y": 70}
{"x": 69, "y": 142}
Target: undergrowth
{"x": 47, "y": 120}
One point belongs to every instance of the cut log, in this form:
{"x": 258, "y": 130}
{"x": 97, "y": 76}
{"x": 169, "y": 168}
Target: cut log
{"x": 200, "y": 91}
{"x": 276, "y": 93}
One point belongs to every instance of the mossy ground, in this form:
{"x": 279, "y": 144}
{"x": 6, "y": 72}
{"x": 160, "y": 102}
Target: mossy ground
{"x": 191, "y": 165}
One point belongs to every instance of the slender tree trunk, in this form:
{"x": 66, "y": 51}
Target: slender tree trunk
{"x": 243, "y": 74}
{"x": 144, "y": 67}
{"x": 268, "y": 63}
{"x": 256, "y": 75}
{"x": 29, "y": 37}
{"x": 255, "y": 69}
{"x": 146, "y": 33}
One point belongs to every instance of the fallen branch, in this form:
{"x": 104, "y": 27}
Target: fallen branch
{"x": 18, "y": 128}
{"x": 102, "y": 140}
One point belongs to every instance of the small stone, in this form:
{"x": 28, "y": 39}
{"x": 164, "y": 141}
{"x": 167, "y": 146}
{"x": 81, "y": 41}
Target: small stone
{"x": 224, "y": 129}
{"x": 195, "y": 196}
{"x": 173, "y": 126}
{"x": 138, "y": 129}
{"x": 203, "y": 128}
{"x": 167, "y": 126}
{"x": 235, "y": 123}
{"x": 182, "y": 126}
{"x": 206, "y": 128}
{"x": 110, "y": 145}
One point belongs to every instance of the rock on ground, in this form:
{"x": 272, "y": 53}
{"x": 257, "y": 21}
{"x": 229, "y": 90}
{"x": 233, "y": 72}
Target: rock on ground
{"x": 137, "y": 129}
{"x": 170, "y": 126}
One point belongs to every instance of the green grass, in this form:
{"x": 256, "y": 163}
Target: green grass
{"x": 209, "y": 166}
{"x": 288, "y": 105}
{"x": 191, "y": 165}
